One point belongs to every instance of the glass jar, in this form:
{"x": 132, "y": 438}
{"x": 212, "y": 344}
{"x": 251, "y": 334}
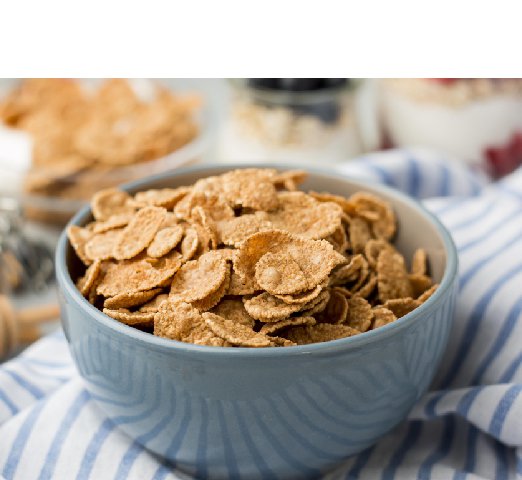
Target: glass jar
{"x": 266, "y": 124}
{"x": 477, "y": 120}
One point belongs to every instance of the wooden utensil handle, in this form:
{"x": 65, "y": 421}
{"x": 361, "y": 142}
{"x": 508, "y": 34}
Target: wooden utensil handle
{"x": 37, "y": 315}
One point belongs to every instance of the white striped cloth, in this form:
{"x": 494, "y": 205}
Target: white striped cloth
{"x": 468, "y": 426}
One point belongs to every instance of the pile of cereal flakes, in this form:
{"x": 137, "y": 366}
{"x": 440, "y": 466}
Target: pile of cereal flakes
{"x": 245, "y": 259}
{"x": 82, "y": 137}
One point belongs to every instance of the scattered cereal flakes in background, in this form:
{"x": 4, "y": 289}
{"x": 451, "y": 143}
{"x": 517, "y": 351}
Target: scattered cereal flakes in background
{"x": 109, "y": 202}
{"x": 82, "y": 133}
{"x": 237, "y": 261}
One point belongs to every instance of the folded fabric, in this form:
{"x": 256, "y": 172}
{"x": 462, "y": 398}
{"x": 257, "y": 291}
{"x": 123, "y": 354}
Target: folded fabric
{"x": 468, "y": 426}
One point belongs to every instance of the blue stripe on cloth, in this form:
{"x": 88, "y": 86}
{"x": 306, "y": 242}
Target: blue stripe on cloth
{"x": 505, "y": 333}
{"x": 507, "y": 376}
{"x": 414, "y": 178}
{"x": 510, "y": 191}
{"x": 502, "y": 468}
{"x": 476, "y": 218}
{"x": 449, "y": 205}
{"x": 475, "y": 319}
{"x": 442, "y": 450}
{"x": 25, "y": 384}
{"x": 410, "y": 439}
{"x": 493, "y": 230}
{"x": 502, "y": 410}
{"x": 361, "y": 462}
{"x": 56, "y": 444}
{"x": 471, "y": 271}
{"x": 18, "y": 446}
{"x": 128, "y": 460}
{"x": 383, "y": 174}
{"x": 429, "y": 409}
{"x": 463, "y": 408}
{"x": 8, "y": 402}
{"x": 92, "y": 450}
{"x": 135, "y": 449}
{"x": 471, "y": 453}
{"x": 465, "y": 403}
{"x": 43, "y": 363}
{"x": 445, "y": 182}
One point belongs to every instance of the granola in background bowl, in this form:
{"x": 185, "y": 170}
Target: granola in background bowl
{"x": 87, "y": 135}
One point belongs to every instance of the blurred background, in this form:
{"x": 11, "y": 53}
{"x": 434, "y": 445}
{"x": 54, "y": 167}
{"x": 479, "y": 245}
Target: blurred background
{"x": 61, "y": 140}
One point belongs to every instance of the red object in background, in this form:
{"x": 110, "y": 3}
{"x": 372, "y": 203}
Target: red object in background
{"x": 504, "y": 160}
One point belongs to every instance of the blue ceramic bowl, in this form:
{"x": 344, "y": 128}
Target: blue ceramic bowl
{"x": 270, "y": 413}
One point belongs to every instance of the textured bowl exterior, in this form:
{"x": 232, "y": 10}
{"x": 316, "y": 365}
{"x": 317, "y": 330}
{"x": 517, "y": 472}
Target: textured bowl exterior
{"x": 251, "y": 413}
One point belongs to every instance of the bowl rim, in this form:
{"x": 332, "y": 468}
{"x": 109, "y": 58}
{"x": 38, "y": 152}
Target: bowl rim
{"x": 449, "y": 277}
